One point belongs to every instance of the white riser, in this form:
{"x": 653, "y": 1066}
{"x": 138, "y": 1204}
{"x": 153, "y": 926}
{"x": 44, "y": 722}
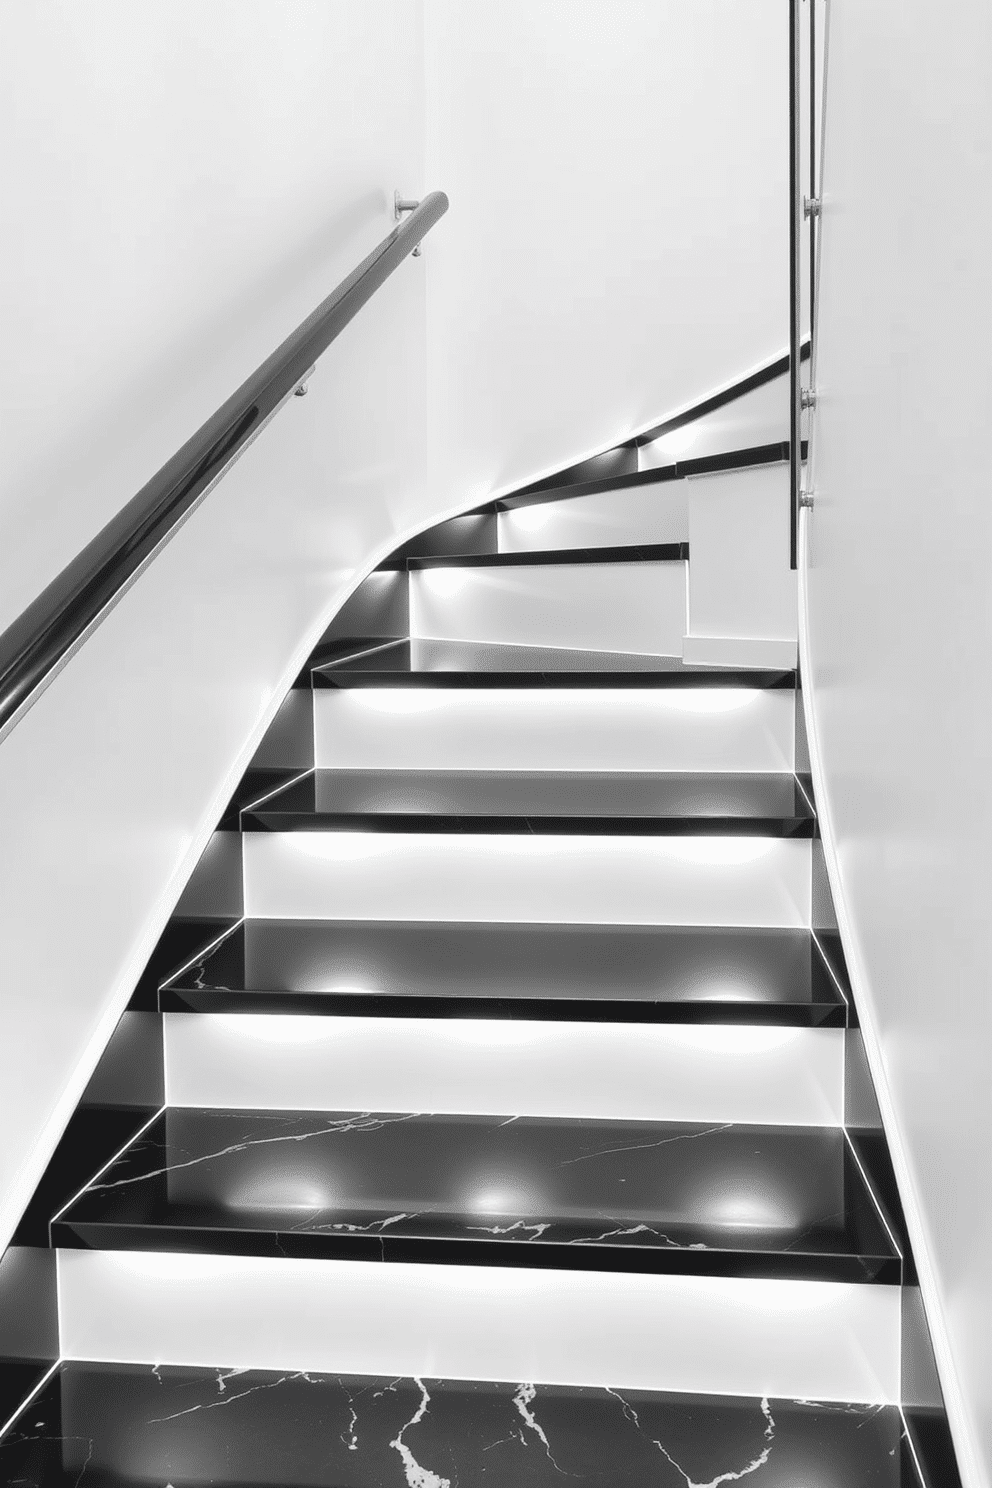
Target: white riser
{"x": 691, "y": 729}
{"x": 638, "y": 607}
{"x": 806, "y": 1339}
{"x": 577, "y": 880}
{"x": 761, "y": 417}
{"x": 733, "y": 651}
{"x": 740, "y": 583}
{"x": 652, "y": 514}
{"x": 776, "y": 1076}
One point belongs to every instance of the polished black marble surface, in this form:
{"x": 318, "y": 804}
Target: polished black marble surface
{"x": 111, "y": 1425}
{"x": 92, "y": 1137}
{"x": 611, "y": 802}
{"x": 716, "y": 1199}
{"x": 18, "y": 1377}
{"x": 617, "y": 973}
{"x": 481, "y": 664}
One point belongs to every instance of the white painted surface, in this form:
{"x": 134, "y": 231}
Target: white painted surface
{"x": 740, "y": 583}
{"x": 734, "y": 651}
{"x": 579, "y": 880}
{"x": 900, "y": 624}
{"x": 184, "y": 243}
{"x": 777, "y": 1076}
{"x": 758, "y": 417}
{"x": 601, "y": 165}
{"x": 817, "y": 1340}
{"x": 637, "y": 607}
{"x": 187, "y": 182}
{"x": 704, "y": 728}
{"x": 639, "y": 514}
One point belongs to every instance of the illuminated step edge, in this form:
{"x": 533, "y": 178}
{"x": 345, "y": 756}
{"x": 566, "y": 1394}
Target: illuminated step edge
{"x": 549, "y": 879}
{"x": 637, "y": 514}
{"x": 774, "y": 1076}
{"x": 797, "y": 1339}
{"x": 714, "y": 728}
{"x": 634, "y": 607}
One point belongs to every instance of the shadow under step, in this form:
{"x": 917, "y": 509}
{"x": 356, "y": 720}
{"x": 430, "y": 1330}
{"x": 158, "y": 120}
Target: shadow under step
{"x": 111, "y": 1421}
{"x": 575, "y": 802}
{"x": 618, "y": 1196}
{"x": 439, "y": 663}
{"x": 589, "y": 973}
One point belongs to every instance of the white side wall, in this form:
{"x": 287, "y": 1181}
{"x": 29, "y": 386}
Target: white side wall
{"x": 620, "y": 246}
{"x": 181, "y": 184}
{"x": 900, "y": 621}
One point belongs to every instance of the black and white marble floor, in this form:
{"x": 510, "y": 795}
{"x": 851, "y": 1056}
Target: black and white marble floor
{"x": 106, "y": 1426}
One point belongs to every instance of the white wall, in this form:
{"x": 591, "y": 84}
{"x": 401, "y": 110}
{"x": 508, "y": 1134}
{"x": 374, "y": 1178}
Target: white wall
{"x": 620, "y": 245}
{"x": 900, "y": 621}
{"x": 181, "y": 184}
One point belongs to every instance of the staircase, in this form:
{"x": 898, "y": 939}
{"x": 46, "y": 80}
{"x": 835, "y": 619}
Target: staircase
{"x": 494, "y": 1109}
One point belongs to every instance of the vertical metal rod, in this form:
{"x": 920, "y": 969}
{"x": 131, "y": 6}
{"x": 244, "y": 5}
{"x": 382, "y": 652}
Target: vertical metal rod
{"x": 795, "y": 220}
{"x": 814, "y": 220}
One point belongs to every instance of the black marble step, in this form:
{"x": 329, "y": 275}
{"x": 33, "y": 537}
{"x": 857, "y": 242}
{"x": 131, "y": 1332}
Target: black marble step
{"x": 739, "y": 459}
{"x": 715, "y": 1200}
{"x": 613, "y": 802}
{"x": 672, "y": 552}
{"x": 430, "y": 663}
{"x": 608, "y": 973}
{"x": 108, "y": 1425}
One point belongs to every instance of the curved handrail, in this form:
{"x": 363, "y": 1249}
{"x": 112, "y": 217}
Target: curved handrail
{"x": 44, "y": 636}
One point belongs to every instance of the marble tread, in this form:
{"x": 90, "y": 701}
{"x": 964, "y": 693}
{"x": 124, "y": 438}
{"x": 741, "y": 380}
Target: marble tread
{"x": 106, "y": 1425}
{"x": 439, "y": 663}
{"x": 614, "y": 973}
{"x": 608, "y": 801}
{"x": 724, "y": 1199}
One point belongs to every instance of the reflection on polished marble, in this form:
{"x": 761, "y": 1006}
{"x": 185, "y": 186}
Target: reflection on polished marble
{"x": 104, "y": 1426}
{"x": 663, "y": 973}
{"x": 722, "y": 1199}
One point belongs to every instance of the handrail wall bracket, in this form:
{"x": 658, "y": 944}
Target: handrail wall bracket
{"x": 35, "y": 647}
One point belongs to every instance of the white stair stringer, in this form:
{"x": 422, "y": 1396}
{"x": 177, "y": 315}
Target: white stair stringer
{"x": 654, "y": 513}
{"x": 596, "y": 1071}
{"x": 742, "y": 592}
{"x": 631, "y": 607}
{"x": 712, "y": 1335}
{"x": 528, "y": 879}
{"x": 755, "y": 418}
{"x": 733, "y": 729}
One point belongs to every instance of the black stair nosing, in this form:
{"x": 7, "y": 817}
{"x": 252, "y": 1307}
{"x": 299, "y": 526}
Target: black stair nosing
{"x": 645, "y": 967}
{"x": 775, "y": 453}
{"x": 425, "y": 1161}
{"x": 673, "y": 552}
{"x": 180, "y": 996}
{"x": 388, "y": 1247}
{"x": 595, "y": 803}
{"x": 270, "y": 819}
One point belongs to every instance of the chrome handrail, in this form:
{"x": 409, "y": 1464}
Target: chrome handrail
{"x": 35, "y": 647}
